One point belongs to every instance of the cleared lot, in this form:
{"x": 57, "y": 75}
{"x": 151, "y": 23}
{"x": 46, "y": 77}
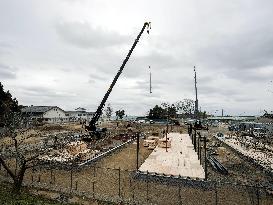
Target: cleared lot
{"x": 105, "y": 180}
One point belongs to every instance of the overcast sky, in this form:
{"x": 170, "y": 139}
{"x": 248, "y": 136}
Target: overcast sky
{"x": 67, "y": 52}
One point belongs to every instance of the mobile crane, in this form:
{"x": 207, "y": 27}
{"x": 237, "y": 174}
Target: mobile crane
{"x": 94, "y": 131}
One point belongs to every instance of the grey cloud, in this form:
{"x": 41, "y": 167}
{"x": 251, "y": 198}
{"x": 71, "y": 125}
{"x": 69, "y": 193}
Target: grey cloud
{"x": 83, "y": 35}
{"x": 74, "y": 1}
{"x": 205, "y": 79}
{"x": 143, "y": 87}
{"x": 209, "y": 90}
{"x": 251, "y": 75}
{"x": 270, "y": 86}
{"x": 244, "y": 98}
{"x": 96, "y": 77}
{"x": 43, "y": 92}
{"x": 7, "y": 72}
{"x": 139, "y": 65}
{"x": 131, "y": 104}
{"x": 235, "y": 43}
{"x": 245, "y": 50}
{"x": 5, "y": 45}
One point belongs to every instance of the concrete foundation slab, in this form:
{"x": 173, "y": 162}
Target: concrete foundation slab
{"x": 181, "y": 159}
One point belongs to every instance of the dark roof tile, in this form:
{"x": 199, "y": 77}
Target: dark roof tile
{"x": 40, "y": 109}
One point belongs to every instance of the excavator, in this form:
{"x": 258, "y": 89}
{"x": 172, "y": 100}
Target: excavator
{"x": 96, "y": 133}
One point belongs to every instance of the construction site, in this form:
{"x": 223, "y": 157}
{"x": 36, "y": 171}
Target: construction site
{"x": 173, "y": 160}
{"x": 145, "y": 169}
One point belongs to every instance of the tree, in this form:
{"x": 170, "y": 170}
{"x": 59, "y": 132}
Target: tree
{"x": 7, "y": 104}
{"x": 171, "y": 110}
{"x": 157, "y": 113}
{"x": 16, "y": 156}
{"x": 163, "y": 111}
{"x": 267, "y": 115}
{"x": 186, "y": 107}
{"x": 203, "y": 114}
{"x": 108, "y": 111}
{"x": 120, "y": 114}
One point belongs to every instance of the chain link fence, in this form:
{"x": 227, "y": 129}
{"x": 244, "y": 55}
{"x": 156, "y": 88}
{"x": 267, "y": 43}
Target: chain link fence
{"x": 118, "y": 185}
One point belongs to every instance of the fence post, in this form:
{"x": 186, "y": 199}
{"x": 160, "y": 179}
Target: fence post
{"x": 134, "y": 192}
{"x": 205, "y": 156}
{"x": 137, "y": 151}
{"x": 15, "y": 166}
{"x": 32, "y": 172}
{"x": 179, "y": 190}
{"x": 39, "y": 175}
{"x": 71, "y": 178}
{"x": 119, "y": 194}
{"x": 7, "y": 171}
{"x": 130, "y": 184}
{"x": 216, "y": 194}
{"x": 258, "y": 195}
{"x": 194, "y": 140}
{"x": 93, "y": 189}
{"x": 198, "y": 145}
{"x": 94, "y": 170}
{"x": 51, "y": 175}
{"x": 200, "y": 159}
{"x": 147, "y": 186}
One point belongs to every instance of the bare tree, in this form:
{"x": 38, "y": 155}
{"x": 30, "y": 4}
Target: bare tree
{"x": 108, "y": 111}
{"x": 16, "y": 155}
{"x": 186, "y": 106}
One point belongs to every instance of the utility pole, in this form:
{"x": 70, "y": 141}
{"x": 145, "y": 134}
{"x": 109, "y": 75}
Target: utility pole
{"x": 196, "y": 99}
{"x": 150, "y": 79}
{"x": 167, "y": 129}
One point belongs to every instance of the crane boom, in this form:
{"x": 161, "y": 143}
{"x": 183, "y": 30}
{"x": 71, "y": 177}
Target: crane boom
{"x": 95, "y": 118}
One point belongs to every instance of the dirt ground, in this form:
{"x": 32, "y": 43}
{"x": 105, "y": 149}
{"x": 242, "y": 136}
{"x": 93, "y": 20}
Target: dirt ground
{"x": 34, "y": 135}
{"x": 105, "y": 179}
{"x": 240, "y": 170}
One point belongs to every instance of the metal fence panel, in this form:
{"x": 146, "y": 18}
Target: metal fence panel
{"x": 122, "y": 185}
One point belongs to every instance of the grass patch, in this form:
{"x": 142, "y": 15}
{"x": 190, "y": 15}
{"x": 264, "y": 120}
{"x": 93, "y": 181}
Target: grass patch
{"x": 6, "y": 198}
{"x": 26, "y": 198}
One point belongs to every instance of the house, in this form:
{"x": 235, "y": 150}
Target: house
{"x": 48, "y": 114}
{"x": 80, "y": 114}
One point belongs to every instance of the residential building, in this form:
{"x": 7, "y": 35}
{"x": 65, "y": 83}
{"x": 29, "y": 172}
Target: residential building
{"x": 80, "y": 114}
{"x": 48, "y": 114}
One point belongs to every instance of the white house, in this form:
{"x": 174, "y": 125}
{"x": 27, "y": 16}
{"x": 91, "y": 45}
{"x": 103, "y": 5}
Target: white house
{"x": 48, "y": 114}
{"x": 80, "y": 114}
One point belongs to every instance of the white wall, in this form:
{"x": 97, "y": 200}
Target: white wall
{"x": 55, "y": 115}
{"x": 78, "y": 116}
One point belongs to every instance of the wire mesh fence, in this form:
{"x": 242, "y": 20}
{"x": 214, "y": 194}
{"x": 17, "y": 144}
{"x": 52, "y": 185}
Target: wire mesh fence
{"x": 124, "y": 185}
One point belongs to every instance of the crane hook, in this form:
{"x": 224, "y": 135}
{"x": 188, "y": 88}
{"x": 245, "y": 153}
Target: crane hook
{"x": 149, "y": 27}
